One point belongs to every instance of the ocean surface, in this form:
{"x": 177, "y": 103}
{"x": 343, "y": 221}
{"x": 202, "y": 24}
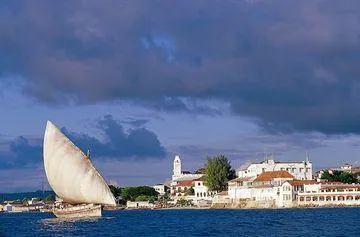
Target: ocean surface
{"x": 267, "y": 222}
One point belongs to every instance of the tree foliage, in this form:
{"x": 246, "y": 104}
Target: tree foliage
{"x": 340, "y": 176}
{"x": 131, "y": 193}
{"x": 190, "y": 191}
{"x": 50, "y": 198}
{"x": 184, "y": 203}
{"x": 141, "y": 193}
{"x": 116, "y": 191}
{"x": 200, "y": 171}
{"x": 218, "y": 172}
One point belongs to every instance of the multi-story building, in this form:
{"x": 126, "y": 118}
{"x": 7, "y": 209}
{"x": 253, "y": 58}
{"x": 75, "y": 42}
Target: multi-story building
{"x": 201, "y": 192}
{"x": 181, "y": 188}
{"x": 326, "y": 194}
{"x": 300, "y": 170}
{"x": 265, "y": 190}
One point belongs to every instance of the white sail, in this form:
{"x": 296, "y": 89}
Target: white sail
{"x": 70, "y": 172}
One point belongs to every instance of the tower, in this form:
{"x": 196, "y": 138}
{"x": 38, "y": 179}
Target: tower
{"x": 177, "y": 167}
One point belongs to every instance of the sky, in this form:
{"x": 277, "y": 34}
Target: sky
{"x": 140, "y": 81}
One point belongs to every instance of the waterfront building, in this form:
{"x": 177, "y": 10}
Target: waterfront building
{"x": 140, "y": 204}
{"x": 300, "y": 170}
{"x": 266, "y": 190}
{"x": 329, "y": 194}
{"x": 15, "y": 207}
{"x": 201, "y": 191}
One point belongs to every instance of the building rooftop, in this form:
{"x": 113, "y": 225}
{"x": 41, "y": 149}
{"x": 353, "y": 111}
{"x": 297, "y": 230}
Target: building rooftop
{"x": 270, "y": 175}
{"x": 340, "y": 186}
{"x": 184, "y": 183}
{"x": 263, "y": 186}
{"x": 301, "y": 182}
{"x": 200, "y": 179}
{"x": 242, "y": 179}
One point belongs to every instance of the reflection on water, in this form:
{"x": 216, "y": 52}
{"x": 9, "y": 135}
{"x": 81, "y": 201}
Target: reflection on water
{"x": 63, "y": 225}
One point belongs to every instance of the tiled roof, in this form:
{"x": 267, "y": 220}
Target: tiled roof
{"x": 270, "y": 175}
{"x": 263, "y": 186}
{"x": 340, "y": 186}
{"x": 184, "y": 183}
{"x": 301, "y": 182}
{"x": 242, "y": 179}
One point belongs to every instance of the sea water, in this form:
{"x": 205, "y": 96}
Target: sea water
{"x": 223, "y": 222}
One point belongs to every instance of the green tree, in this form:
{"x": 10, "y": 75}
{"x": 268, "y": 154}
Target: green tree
{"x": 200, "y": 171}
{"x": 190, "y": 191}
{"x": 327, "y": 176}
{"x": 142, "y": 198}
{"x": 25, "y": 201}
{"x": 131, "y": 193}
{"x": 116, "y": 191}
{"x": 184, "y": 203}
{"x": 340, "y": 176}
{"x": 218, "y": 172}
{"x": 50, "y": 198}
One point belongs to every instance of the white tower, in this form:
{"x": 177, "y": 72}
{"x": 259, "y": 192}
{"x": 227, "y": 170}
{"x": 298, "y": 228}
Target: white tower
{"x": 177, "y": 168}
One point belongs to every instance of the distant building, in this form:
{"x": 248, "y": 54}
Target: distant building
{"x": 300, "y": 170}
{"x": 346, "y": 168}
{"x": 15, "y": 207}
{"x": 180, "y": 188}
{"x": 160, "y": 188}
{"x": 142, "y": 204}
{"x": 182, "y": 181}
{"x": 178, "y": 174}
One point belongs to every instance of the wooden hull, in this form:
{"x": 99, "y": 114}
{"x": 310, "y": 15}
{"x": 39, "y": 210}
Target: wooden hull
{"x": 81, "y": 211}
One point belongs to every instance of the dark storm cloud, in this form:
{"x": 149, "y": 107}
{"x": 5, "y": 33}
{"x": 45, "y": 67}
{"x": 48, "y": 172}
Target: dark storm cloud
{"x": 137, "y": 143}
{"x": 292, "y": 65}
{"x": 22, "y": 152}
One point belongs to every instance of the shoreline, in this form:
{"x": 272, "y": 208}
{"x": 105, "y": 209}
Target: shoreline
{"x": 234, "y": 208}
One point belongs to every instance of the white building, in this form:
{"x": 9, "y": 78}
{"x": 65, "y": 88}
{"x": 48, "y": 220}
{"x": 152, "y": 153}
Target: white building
{"x": 160, "y": 188}
{"x": 142, "y": 204}
{"x": 201, "y": 192}
{"x": 329, "y": 194}
{"x": 181, "y": 188}
{"x": 266, "y": 190}
{"x": 12, "y": 207}
{"x": 178, "y": 174}
{"x": 300, "y": 170}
